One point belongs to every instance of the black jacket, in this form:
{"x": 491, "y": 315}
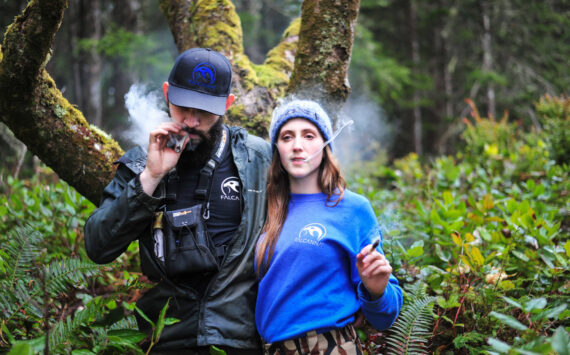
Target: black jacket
{"x": 225, "y": 314}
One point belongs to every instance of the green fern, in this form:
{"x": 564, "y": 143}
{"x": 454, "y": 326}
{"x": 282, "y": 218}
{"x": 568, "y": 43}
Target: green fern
{"x": 61, "y": 331}
{"x": 21, "y": 251}
{"x": 411, "y": 330}
{"x": 28, "y": 288}
{"x": 53, "y": 279}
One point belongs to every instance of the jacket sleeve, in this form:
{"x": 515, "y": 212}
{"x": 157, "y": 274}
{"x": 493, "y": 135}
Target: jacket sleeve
{"x": 125, "y": 213}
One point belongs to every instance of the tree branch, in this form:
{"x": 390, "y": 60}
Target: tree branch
{"x": 36, "y": 112}
{"x": 54, "y": 130}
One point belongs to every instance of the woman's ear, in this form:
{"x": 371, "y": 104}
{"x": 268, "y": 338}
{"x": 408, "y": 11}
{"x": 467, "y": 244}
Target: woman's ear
{"x": 229, "y": 101}
{"x": 165, "y": 90}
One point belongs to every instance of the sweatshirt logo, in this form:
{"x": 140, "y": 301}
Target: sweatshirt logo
{"x": 312, "y": 234}
{"x": 230, "y": 189}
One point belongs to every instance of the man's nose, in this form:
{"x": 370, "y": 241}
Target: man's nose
{"x": 191, "y": 118}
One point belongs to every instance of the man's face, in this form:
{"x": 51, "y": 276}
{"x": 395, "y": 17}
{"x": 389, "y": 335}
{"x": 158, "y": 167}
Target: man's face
{"x": 204, "y": 128}
{"x": 199, "y": 122}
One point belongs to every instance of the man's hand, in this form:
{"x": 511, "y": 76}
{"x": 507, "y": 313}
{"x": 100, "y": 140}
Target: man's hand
{"x": 374, "y": 270}
{"x": 160, "y": 159}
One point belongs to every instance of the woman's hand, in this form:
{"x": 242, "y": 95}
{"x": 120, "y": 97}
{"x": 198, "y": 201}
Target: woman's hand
{"x": 374, "y": 270}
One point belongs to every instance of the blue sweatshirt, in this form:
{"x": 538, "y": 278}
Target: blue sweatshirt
{"x": 312, "y": 282}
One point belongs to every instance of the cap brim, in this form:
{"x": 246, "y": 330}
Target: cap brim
{"x": 194, "y": 99}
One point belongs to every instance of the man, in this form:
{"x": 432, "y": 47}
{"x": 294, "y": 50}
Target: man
{"x": 196, "y": 213}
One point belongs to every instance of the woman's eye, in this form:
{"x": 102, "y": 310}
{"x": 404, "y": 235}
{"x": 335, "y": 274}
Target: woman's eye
{"x": 286, "y": 138}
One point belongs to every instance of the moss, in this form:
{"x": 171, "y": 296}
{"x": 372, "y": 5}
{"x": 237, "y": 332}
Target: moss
{"x": 278, "y": 66}
{"x": 74, "y": 120}
{"x": 269, "y": 76}
{"x": 99, "y": 131}
{"x": 218, "y": 25}
{"x": 59, "y": 111}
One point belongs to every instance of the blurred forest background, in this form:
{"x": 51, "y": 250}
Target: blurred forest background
{"x": 461, "y": 143}
{"x": 413, "y": 64}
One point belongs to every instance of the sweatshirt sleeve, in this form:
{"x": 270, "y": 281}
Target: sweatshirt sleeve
{"x": 382, "y": 312}
{"x": 125, "y": 212}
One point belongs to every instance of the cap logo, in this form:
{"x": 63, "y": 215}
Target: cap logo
{"x": 204, "y": 74}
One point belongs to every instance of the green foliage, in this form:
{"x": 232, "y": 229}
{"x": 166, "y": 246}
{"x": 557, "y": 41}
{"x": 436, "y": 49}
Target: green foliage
{"x": 410, "y": 332}
{"x": 490, "y": 222}
{"x": 137, "y": 51}
{"x": 49, "y": 206}
{"x": 555, "y": 114}
{"x": 158, "y": 326}
{"x": 538, "y": 318}
{"x": 46, "y": 283}
{"x": 372, "y": 70}
{"x": 35, "y": 299}
{"x": 28, "y": 289}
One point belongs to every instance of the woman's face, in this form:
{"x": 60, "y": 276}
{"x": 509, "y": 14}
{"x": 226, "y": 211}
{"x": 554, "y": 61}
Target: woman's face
{"x": 299, "y": 139}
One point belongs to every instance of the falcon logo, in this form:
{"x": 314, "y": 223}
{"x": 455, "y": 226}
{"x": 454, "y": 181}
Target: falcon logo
{"x": 204, "y": 74}
{"x": 312, "y": 234}
{"x": 230, "y": 189}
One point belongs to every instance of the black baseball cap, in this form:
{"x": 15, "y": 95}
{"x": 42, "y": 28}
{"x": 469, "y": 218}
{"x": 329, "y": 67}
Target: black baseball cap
{"x": 201, "y": 78}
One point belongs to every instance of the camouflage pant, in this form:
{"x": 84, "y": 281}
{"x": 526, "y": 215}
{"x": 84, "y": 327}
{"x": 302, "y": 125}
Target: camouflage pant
{"x": 335, "y": 342}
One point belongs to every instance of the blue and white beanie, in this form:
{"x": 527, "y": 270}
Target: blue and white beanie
{"x": 309, "y": 110}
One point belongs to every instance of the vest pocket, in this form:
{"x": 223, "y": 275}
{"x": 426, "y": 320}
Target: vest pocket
{"x": 188, "y": 247}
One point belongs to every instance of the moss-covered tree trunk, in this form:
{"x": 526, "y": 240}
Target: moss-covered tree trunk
{"x": 324, "y": 50}
{"x": 35, "y": 110}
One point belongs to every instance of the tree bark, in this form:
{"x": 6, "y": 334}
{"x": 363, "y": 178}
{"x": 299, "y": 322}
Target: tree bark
{"x": 415, "y": 48}
{"x": 34, "y": 109}
{"x": 125, "y": 15}
{"x": 91, "y": 63}
{"x": 323, "y": 56}
{"x": 36, "y": 112}
{"x": 487, "y": 55}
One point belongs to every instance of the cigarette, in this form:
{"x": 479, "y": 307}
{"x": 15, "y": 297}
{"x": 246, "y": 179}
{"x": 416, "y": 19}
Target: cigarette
{"x": 375, "y": 244}
{"x": 176, "y": 141}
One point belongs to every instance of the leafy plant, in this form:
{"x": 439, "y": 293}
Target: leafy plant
{"x": 555, "y": 114}
{"x": 39, "y": 314}
{"x": 409, "y": 334}
{"x": 489, "y": 222}
{"x": 51, "y": 207}
{"x": 535, "y": 336}
{"x": 157, "y": 327}
{"x": 27, "y": 289}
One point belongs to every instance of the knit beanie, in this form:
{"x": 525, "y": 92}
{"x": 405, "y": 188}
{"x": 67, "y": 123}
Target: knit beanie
{"x": 309, "y": 110}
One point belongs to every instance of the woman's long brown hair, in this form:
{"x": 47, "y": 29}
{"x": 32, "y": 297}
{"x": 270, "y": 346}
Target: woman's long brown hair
{"x": 330, "y": 181}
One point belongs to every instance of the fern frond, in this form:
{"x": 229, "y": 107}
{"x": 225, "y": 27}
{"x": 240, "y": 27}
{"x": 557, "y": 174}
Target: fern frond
{"x": 22, "y": 249}
{"x": 416, "y": 290}
{"x": 63, "y": 331}
{"x": 62, "y": 273}
{"x": 58, "y": 276}
{"x": 412, "y": 328}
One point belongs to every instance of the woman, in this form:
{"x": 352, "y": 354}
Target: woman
{"x": 315, "y": 260}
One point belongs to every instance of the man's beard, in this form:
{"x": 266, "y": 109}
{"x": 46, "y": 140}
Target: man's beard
{"x": 199, "y": 156}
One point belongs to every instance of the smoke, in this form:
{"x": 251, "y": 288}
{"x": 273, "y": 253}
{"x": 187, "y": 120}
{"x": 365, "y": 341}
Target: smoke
{"x": 369, "y": 136}
{"x": 146, "y": 111}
